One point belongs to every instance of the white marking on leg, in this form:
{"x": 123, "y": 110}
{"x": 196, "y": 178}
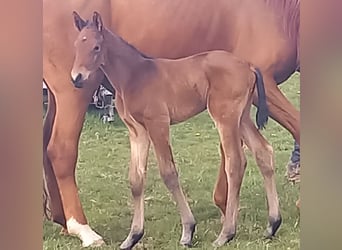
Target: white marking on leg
{"x": 84, "y": 232}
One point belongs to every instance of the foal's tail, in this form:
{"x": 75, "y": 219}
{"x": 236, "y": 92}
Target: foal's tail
{"x": 262, "y": 109}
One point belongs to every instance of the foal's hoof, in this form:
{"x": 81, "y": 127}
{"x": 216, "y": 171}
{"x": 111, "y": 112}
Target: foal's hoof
{"x": 273, "y": 226}
{"x": 223, "y": 239}
{"x": 187, "y": 235}
{"x": 131, "y": 240}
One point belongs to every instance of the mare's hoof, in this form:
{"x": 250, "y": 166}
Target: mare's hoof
{"x": 273, "y": 226}
{"x": 96, "y": 243}
{"x": 64, "y": 231}
{"x": 223, "y": 239}
{"x": 131, "y": 240}
{"x": 188, "y": 233}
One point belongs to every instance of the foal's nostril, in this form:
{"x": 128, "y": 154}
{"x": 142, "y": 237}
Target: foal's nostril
{"x": 78, "y": 77}
{"x": 77, "y": 81}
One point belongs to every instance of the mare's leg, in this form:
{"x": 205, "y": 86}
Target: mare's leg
{"x": 159, "y": 134}
{"x": 140, "y": 145}
{"x": 263, "y": 153}
{"x": 283, "y": 112}
{"x": 281, "y": 109}
{"x": 62, "y": 151}
{"x": 53, "y": 208}
{"x": 293, "y": 166}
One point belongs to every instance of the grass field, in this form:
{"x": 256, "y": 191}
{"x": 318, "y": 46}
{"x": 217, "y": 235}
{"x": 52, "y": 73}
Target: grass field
{"x": 102, "y": 176}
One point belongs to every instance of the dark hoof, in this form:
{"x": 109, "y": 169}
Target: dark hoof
{"x": 273, "y": 226}
{"x": 188, "y": 233}
{"x": 223, "y": 239}
{"x": 131, "y": 240}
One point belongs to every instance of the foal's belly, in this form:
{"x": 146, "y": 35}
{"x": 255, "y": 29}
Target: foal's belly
{"x": 180, "y": 114}
{"x": 184, "y": 87}
{"x": 185, "y": 104}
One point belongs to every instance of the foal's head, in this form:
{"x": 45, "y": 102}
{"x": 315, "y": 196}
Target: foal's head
{"x": 89, "y": 49}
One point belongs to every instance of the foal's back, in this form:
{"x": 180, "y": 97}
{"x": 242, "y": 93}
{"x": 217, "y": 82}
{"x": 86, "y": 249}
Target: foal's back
{"x": 205, "y": 70}
{"x": 180, "y": 88}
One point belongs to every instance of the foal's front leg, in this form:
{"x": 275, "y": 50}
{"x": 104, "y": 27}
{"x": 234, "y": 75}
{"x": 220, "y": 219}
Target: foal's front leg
{"x": 159, "y": 134}
{"x": 140, "y": 145}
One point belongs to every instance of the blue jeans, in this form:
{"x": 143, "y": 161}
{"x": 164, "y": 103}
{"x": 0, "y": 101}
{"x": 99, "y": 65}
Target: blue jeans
{"x": 295, "y": 157}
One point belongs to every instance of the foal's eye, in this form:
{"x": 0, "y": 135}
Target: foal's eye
{"x": 97, "y": 48}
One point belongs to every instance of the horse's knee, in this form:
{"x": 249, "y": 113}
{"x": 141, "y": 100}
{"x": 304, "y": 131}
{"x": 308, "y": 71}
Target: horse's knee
{"x": 264, "y": 157}
{"x": 136, "y": 181}
{"x": 220, "y": 197}
{"x": 170, "y": 177}
{"x": 63, "y": 158}
{"x": 236, "y": 167}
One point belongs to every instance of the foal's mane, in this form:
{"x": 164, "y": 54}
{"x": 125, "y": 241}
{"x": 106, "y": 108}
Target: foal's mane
{"x": 288, "y": 10}
{"x": 131, "y": 46}
{"x": 90, "y": 24}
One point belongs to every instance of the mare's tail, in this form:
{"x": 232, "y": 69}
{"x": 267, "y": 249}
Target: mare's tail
{"x": 262, "y": 109}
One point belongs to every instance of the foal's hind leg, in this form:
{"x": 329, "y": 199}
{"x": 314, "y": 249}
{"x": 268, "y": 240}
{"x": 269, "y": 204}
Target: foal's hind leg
{"x": 140, "y": 145}
{"x": 159, "y": 134}
{"x": 263, "y": 153}
{"x": 235, "y": 164}
{"x": 221, "y": 187}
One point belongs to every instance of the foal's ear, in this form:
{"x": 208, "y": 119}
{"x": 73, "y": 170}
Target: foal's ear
{"x": 78, "y": 21}
{"x": 97, "y": 20}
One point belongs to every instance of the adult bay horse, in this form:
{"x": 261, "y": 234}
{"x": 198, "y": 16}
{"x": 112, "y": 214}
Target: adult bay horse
{"x": 263, "y": 32}
{"x": 153, "y": 93}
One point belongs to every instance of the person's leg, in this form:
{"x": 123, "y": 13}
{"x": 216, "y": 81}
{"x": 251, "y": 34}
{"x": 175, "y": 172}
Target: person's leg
{"x": 293, "y": 167}
{"x": 295, "y": 157}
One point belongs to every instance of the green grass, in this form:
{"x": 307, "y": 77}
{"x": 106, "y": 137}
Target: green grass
{"x": 102, "y": 176}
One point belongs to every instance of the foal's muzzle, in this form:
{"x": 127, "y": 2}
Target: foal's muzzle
{"x": 77, "y": 81}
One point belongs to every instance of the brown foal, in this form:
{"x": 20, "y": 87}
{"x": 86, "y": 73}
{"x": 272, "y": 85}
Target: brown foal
{"x": 153, "y": 93}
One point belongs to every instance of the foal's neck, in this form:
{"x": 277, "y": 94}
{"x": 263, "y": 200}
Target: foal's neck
{"x": 122, "y": 61}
